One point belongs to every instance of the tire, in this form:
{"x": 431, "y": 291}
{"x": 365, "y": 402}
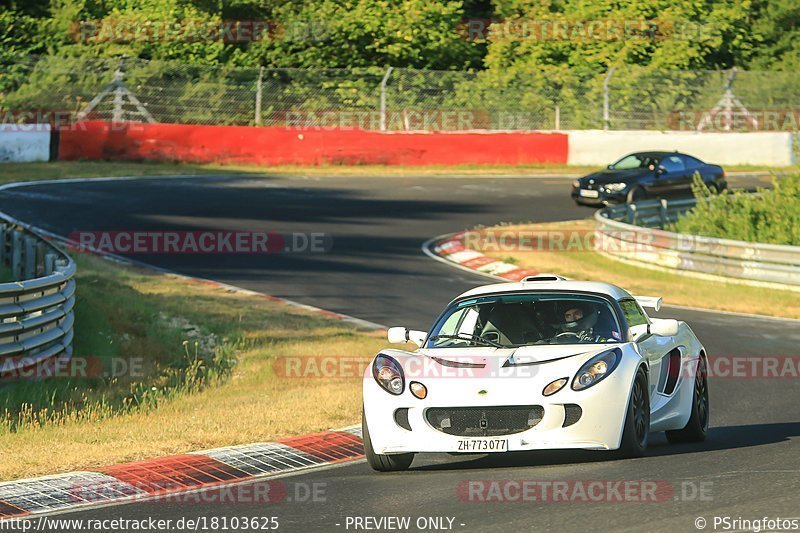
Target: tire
{"x": 380, "y": 462}
{"x": 636, "y": 432}
{"x": 637, "y": 194}
{"x": 696, "y": 428}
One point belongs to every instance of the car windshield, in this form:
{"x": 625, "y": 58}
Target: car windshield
{"x": 513, "y": 320}
{"x": 635, "y": 161}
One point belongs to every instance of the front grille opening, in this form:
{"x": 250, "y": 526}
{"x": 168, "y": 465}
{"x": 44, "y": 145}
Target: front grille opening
{"x": 401, "y": 418}
{"x": 572, "y": 413}
{"x": 484, "y": 421}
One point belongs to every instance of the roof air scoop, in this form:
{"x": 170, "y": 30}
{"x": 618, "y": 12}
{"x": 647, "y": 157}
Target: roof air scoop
{"x": 543, "y": 277}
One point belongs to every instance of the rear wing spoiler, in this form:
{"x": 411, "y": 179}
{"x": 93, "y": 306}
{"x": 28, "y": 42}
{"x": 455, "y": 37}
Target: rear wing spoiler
{"x": 650, "y": 302}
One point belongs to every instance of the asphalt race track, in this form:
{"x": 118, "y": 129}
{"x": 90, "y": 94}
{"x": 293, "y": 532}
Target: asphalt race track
{"x": 748, "y": 468}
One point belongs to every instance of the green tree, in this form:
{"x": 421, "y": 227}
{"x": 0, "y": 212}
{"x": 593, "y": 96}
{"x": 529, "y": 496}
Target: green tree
{"x": 362, "y": 33}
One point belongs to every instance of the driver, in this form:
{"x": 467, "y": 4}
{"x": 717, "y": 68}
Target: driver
{"x": 579, "y": 321}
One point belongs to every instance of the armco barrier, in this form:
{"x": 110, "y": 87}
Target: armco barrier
{"x": 628, "y": 231}
{"x": 36, "y": 305}
{"x": 96, "y": 140}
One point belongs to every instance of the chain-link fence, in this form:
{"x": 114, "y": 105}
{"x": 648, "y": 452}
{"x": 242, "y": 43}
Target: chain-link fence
{"x": 401, "y": 99}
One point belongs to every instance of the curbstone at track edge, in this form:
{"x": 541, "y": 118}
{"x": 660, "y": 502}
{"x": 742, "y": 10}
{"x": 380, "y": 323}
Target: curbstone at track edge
{"x": 450, "y": 249}
{"x": 177, "y": 474}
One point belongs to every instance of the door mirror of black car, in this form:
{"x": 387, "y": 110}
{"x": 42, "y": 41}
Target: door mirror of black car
{"x": 610, "y": 167}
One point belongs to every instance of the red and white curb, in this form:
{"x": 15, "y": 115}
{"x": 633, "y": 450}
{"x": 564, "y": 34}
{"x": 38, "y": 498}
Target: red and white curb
{"x": 452, "y": 250}
{"x": 171, "y": 475}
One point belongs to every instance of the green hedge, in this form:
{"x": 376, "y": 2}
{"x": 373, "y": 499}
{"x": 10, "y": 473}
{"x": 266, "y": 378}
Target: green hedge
{"x": 770, "y": 216}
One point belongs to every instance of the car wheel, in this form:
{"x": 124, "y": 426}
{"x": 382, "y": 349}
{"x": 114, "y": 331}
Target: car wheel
{"x": 380, "y": 462}
{"x": 697, "y": 426}
{"x": 637, "y": 194}
{"x": 636, "y": 433}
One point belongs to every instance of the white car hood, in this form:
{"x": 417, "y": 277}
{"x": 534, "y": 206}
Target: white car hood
{"x": 514, "y": 356}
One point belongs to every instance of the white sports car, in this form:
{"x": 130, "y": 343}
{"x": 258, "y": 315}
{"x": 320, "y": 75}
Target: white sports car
{"x": 547, "y": 363}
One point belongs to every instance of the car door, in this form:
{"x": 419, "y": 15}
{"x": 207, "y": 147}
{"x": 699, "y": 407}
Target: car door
{"x": 654, "y": 348}
{"x": 672, "y": 177}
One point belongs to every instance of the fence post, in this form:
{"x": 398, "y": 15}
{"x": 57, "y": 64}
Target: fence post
{"x": 606, "y": 111}
{"x": 118, "y": 115}
{"x": 258, "y": 95}
{"x": 558, "y": 117}
{"x": 383, "y": 97}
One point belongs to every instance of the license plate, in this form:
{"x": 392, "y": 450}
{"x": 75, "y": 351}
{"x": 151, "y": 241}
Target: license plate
{"x": 588, "y": 194}
{"x": 483, "y": 445}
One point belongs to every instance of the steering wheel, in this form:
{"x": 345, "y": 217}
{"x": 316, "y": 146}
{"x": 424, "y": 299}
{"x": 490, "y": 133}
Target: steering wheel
{"x": 567, "y": 336}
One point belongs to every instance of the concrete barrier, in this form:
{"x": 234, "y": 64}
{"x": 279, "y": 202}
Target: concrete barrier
{"x": 24, "y": 143}
{"x": 288, "y": 146}
{"x": 596, "y": 147}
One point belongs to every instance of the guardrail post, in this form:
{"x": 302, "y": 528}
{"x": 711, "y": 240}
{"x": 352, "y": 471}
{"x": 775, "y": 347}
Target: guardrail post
{"x": 662, "y": 213}
{"x": 49, "y": 263}
{"x": 16, "y": 255}
{"x": 631, "y": 214}
{"x": 30, "y": 257}
{"x": 3, "y": 259}
{"x": 41, "y": 249}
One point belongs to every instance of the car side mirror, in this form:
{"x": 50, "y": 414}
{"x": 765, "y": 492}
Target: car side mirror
{"x": 664, "y": 327}
{"x": 610, "y": 167}
{"x": 660, "y": 170}
{"x": 401, "y": 335}
{"x": 637, "y": 332}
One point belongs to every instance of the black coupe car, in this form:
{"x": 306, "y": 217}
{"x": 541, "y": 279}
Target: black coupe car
{"x": 646, "y": 175}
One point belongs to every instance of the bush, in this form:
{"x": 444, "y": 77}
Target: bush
{"x": 770, "y": 216}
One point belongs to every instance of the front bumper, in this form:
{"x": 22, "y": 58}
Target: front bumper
{"x": 603, "y": 197}
{"x": 603, "y": 409}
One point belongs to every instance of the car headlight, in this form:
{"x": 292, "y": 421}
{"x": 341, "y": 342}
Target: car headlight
{"x": 596, "y": 369}
{"x": 576, "y": 184}
{"x": 615, "y": 187}
{"x": 389, "y": 374}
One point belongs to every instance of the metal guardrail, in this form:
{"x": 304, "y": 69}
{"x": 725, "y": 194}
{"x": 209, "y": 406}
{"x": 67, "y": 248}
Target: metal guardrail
{"x": 632, "y": 232}
{"x": 37, "y": 297}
